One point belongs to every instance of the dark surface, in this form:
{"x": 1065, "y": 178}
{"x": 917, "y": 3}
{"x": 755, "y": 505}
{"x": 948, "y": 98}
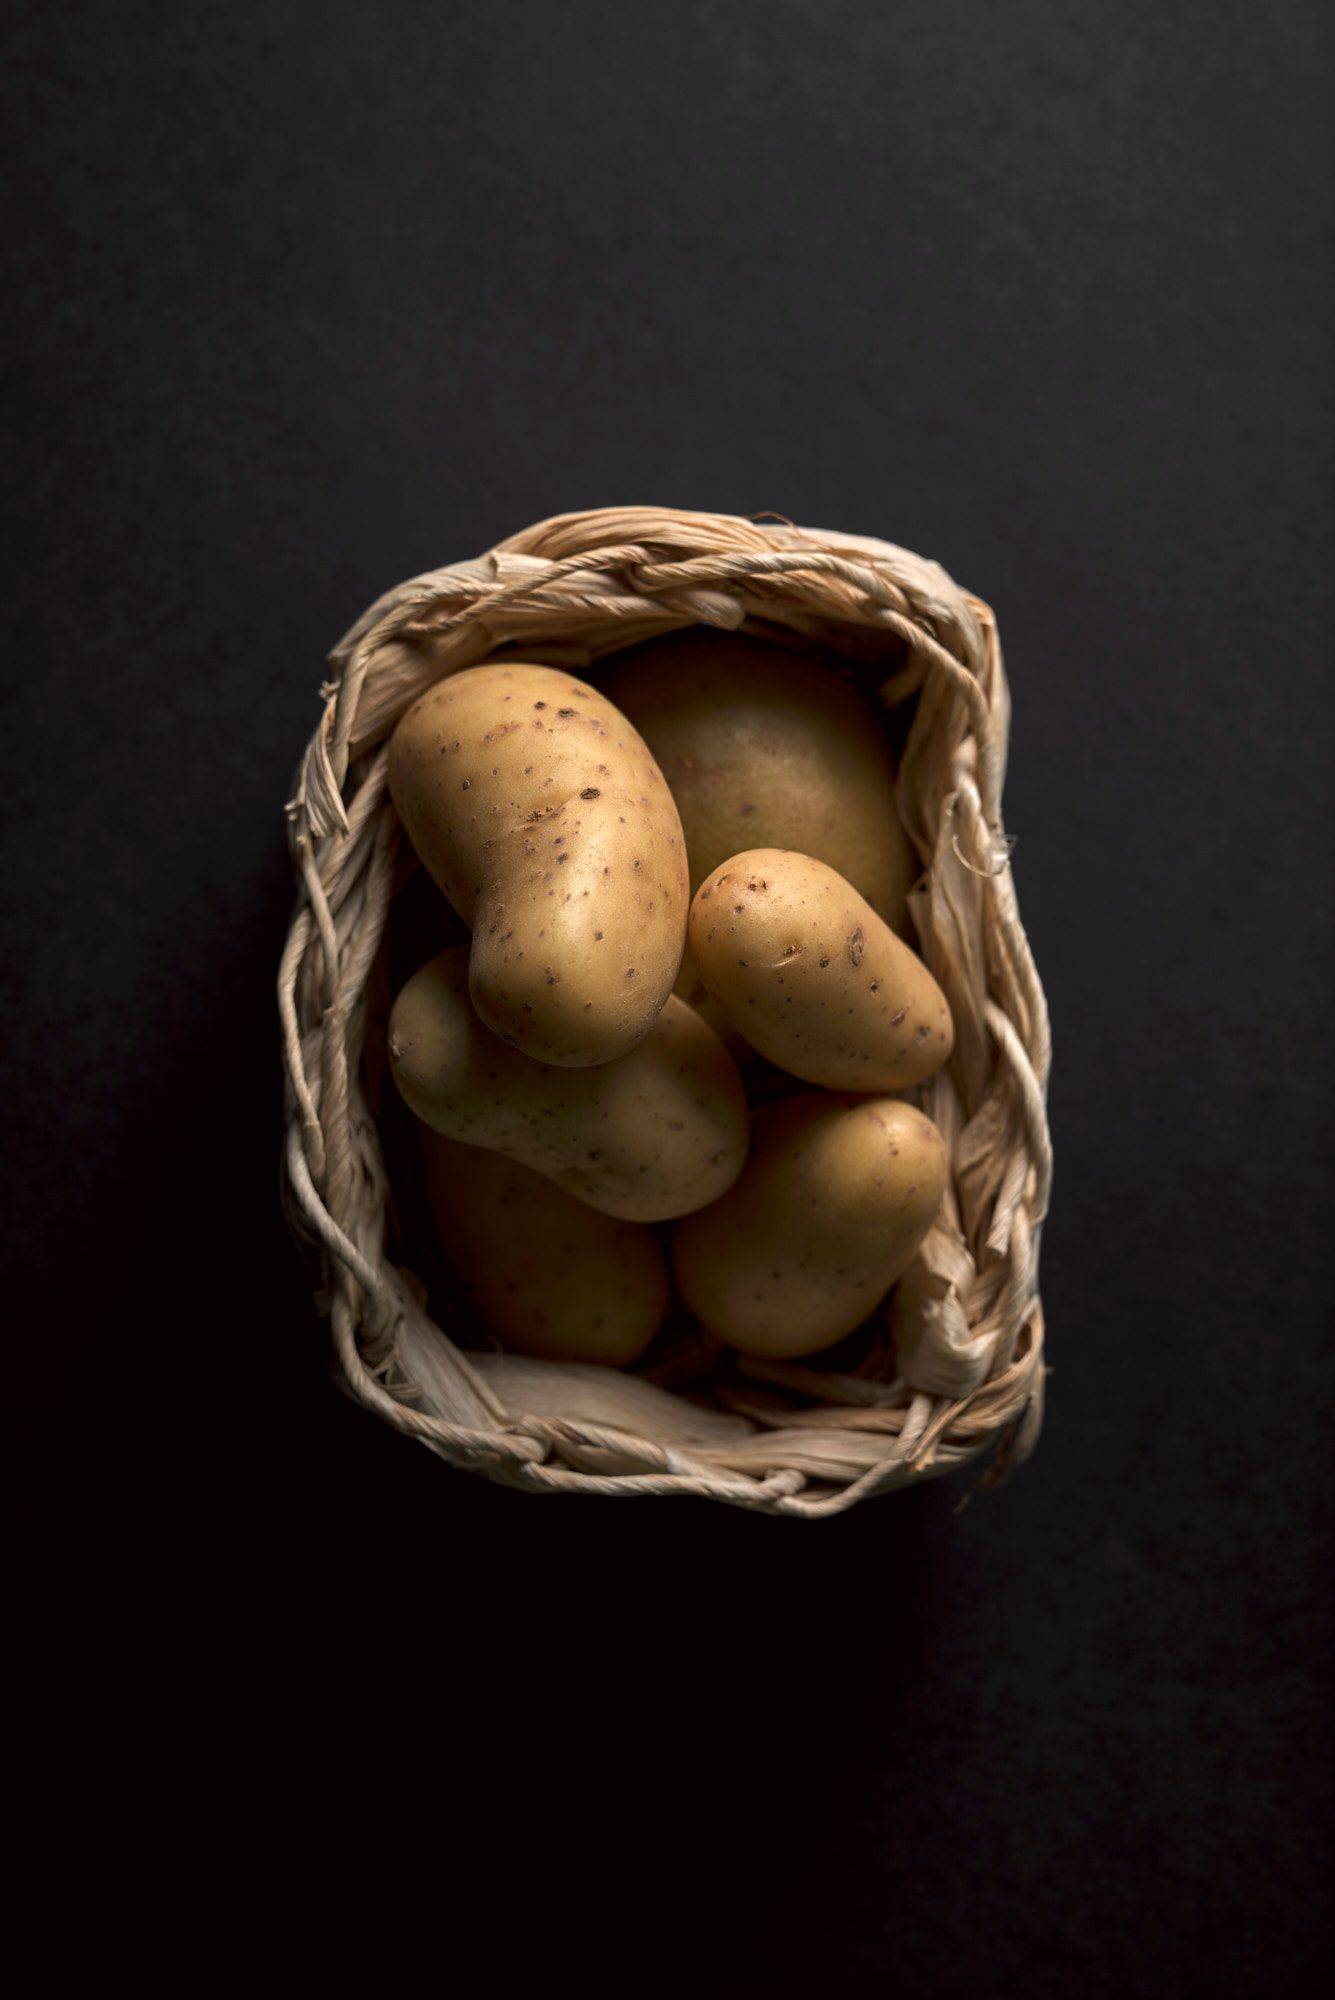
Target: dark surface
{"x": 306, "y": 298}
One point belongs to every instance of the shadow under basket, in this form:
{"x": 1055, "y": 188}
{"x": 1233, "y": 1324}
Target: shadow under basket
{"x": 952, "y": 1370}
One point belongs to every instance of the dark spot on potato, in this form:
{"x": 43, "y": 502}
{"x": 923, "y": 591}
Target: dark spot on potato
{"x": 539, "y": 704}
{"x": 591, "y": 792}
{"x": 467, "y": 785}
{"x": 565, "y": 711}
{"x": 895, "y": 1019}
{"x": 857, "y": 944}
{"x": 824, "y": 962}
{"x": 630, "y": 972}
{"x": 597, "y": 936}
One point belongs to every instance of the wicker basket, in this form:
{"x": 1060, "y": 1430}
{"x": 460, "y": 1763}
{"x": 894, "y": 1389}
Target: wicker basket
{"x": 963, "y": 1374}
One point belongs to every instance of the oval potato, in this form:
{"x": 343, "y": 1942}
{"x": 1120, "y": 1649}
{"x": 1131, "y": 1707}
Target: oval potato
{"x": 656, "y": 1133}
{"x": 542, "y": 815}
{"x": 806, "y": 970}
{"x": 836, "y": 1195}
{"x": 543, "y": 1272}
{"x": 764, "y": 747}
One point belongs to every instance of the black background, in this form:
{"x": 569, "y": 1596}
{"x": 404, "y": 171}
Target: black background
{"x": 306, "y": 298}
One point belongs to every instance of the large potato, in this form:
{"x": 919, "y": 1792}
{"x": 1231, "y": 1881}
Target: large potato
{"x": 654, "y": 1134}
{"x": 543, "y": 1272}
{"x": 763, "y": 747}
{"x": 836, "y": 1195}
{"x": 812, "y": 977}
{"x": 547, "y": 823}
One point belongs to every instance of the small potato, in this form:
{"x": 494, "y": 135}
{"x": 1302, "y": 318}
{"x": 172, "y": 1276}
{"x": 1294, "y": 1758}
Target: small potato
{"x": 544, "y": 1273}
{"x": 836, "y": 1195}
{"x": 547, "y": 823}
{"x": 810, "y": 975}
{"x": 764, "y": 747}
{"x": 654, "y": 1134}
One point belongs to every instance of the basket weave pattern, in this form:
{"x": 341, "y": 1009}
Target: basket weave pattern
{"x": 964, "y": 1372}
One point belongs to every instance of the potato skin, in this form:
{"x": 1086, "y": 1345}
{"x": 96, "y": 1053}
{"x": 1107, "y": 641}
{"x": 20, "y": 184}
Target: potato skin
{"x": 542, "y": 815}
{"x": 763, "y": 747}
{"x": 656, "y": 1133}
{"x": 810, "y": 975}
{"x": 543, "y": 1272}
{"x": 836, "y": 1195}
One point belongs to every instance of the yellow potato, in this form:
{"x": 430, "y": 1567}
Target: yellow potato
{"x": 764, "y": 747}
{"x": 654, "y": 1134}
{"x": 543, "y": 1272}
{"x": 810, "y": 975}
{"x": 547, "y": 823}
{"x": 836, "y": 1195}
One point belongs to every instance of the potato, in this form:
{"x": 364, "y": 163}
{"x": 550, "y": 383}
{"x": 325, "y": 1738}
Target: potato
{"x": 656, "y": 1133}
{"x": 543, "y": 1272}
{"x": 811, "y": 976}
{"x": 764, "y": 747}
{"x": 836, "y": 1195}
{"x": 547, "y": 823}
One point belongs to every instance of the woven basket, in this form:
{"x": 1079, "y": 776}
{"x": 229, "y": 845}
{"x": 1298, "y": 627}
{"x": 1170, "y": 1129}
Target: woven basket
{"x": 963, "y": 1374}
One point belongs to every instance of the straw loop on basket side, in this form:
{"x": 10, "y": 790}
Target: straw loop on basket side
{"x": 968, "y": 1323}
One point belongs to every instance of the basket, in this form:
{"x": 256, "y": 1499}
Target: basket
{"x": 962, "y": 1377}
